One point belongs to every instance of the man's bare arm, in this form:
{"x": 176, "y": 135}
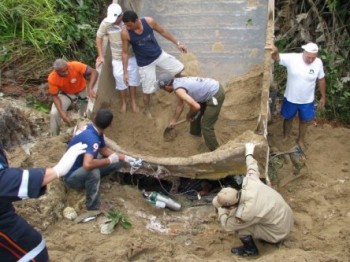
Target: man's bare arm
{"x": 166, "y": 34}
{"x": 100, "y": 58}
{"x": 93, "y": 75}
{"x": 125, "y": 50}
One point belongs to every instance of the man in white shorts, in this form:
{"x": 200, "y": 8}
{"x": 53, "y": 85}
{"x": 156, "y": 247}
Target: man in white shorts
{"x": 139, "y": 33}
{"x": 111, "y": 26}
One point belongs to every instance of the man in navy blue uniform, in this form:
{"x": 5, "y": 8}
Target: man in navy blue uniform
{"x": 19, "y": 241}
{"x": 90, "y": 167}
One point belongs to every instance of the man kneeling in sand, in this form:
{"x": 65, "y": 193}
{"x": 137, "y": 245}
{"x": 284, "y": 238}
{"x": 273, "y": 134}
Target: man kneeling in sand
{"x": 256, "y": 211}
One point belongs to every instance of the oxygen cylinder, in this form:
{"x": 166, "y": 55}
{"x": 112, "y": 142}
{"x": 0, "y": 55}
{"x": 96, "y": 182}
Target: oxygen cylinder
{"x": 169, "y": 203}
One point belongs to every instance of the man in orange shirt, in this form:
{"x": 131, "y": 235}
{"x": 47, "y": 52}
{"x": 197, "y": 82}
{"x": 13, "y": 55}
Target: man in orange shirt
{"x": 67, "y": 84}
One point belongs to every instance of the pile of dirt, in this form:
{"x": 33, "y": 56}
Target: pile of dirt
{"x": 143, "y": 136}
{"x": 318, "y": 195}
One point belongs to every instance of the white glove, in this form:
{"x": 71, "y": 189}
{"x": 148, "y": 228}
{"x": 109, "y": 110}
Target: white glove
{"x": 129, "y": 159}
{"x": 249, "y": 149}
{"x": 113, "y": 158}
{"x": 68, "y": 159}
{"x": 135, "y": 163}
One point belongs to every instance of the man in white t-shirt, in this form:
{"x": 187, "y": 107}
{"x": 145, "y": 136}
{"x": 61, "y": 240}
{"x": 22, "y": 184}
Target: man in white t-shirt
{"x": 111, "y": 26}
{"x": 303, "y": 71}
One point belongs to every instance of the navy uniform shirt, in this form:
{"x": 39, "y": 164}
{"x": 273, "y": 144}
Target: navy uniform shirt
{"x": 94, "y": 141}
{"x": 17, "y": 184}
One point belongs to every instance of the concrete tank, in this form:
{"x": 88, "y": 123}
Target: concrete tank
{"x": 225, "y": 41}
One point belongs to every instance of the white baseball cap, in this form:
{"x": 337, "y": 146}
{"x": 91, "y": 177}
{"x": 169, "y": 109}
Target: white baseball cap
{"x": 310, "y": 48}
{"x": 113, "y": 11}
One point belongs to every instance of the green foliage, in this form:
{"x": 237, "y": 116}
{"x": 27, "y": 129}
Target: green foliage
{"x": 326, "y": 22}
{"x": 337, "y": 84}
{"x": 280, "y": 72}
{"x": 44, "y": 30}
{"x": 338, "y": 87}
{"x": 32, "y": 23}
{"x": 81, "y": 28}
{"x": 32, "y": 101}
{"x": 116, "y": 216}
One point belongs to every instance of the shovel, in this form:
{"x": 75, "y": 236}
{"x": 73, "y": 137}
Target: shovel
{"x": 169, "y": 132}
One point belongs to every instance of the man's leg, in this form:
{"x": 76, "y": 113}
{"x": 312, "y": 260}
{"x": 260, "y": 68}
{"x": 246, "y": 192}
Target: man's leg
{"x": 134, "y": 82}
{"x": 302, "y": 132}
{"x": 120, "y": 85}
{"x": 147, "y": 106}
{"x": 248, "y": 249}
{"x": 106, "y": 170}
{"x": 30, "y": 243}
{"x": 92, "y": 187}
{"x": 306, "y": 114}
{"x": 210, "y": 117}
{"x": 133, "y": 98}
{"x": 170, "y": 63}
{"x": 55, "y": 118}
{"x": 208, "y": 121}
{"x": 123, "y": 95}
{"x": 287, "y": 127}
{"x": 148, "y": 78}
{"x": 90, "y": 180}
{"x": 288, "y": 112}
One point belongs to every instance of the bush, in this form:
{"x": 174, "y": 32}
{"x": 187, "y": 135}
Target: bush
{"x": 35, "y": 32}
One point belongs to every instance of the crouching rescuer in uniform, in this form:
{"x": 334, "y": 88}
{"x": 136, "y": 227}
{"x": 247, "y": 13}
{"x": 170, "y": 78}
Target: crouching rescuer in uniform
{"x": 19, "y": 241}
{"x": 256, "y": 211}
{"x": 98, "y": 161}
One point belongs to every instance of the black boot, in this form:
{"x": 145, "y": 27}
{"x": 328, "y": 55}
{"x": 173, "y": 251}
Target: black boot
{"x": 248, "y": 249}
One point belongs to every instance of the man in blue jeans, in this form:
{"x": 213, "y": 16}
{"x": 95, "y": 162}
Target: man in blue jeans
{"x": 90, "y": 167}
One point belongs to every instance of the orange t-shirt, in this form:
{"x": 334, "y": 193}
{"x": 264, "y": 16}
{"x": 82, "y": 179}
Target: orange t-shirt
{"x": 73, "y": 83}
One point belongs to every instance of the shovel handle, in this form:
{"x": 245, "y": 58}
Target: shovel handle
{"x": 179, "y": 122}
{"x": 184, "y": 120}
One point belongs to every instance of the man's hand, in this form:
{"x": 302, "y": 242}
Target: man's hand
{"x": 126, "y": 79}
{"x": 190, "y": 117}
{"x": 99, "y": 61}
{"x": 113, "y": 158}
{"x": 92, "y": 94}
{"x": 273, "y": 48}
{"x": 65, "y": 117}
{"x": 68, "y": 159}
{"x": 322, "y": 102}
{"x": 222, "y": 212}
{"x": 133, "y": 161}
{"x": 172, "y": 124}
{"x": 274, "y": 51}
{"x": 181, "y": 47}
{"x": 249, "y": 149}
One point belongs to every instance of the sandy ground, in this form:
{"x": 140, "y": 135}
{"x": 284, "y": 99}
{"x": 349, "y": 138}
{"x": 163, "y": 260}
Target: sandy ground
{"x": 142, "y": 136}
{"x": 318, "y": 195}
